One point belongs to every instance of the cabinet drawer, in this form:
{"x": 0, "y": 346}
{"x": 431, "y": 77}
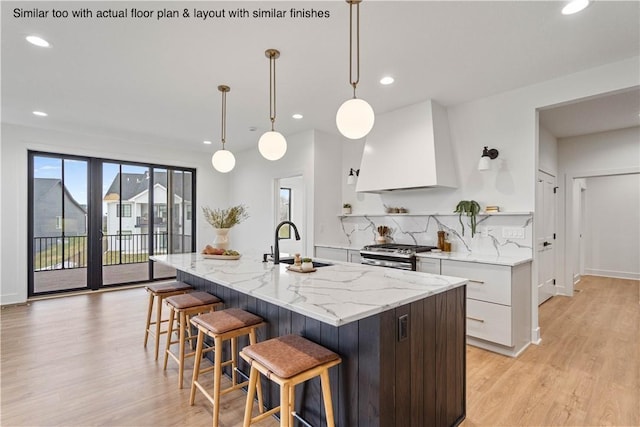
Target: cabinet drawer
{"x": 354, "y": 256}
{"x": 487, "y": 282}
{"x": 426, "y": 265}
{"x": 490, "y": 322}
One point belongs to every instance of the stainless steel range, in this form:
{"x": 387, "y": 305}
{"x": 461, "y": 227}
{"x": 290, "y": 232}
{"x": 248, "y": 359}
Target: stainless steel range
{"x": 392, "y": 255}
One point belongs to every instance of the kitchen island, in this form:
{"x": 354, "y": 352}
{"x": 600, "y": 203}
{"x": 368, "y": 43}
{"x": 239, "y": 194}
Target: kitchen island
{"x": 401, "y": 334}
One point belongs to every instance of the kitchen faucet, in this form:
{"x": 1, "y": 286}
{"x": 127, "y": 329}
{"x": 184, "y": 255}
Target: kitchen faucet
{"x": 276, "y": 250}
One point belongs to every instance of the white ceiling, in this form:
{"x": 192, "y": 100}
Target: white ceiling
{"x": 602, "y": 113}
{"x": 156, "y": 81}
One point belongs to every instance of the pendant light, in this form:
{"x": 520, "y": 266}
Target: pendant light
{"x": 355, "y": 117}
{"x": 272, "y": 144}
{"x": 223, "y": 160}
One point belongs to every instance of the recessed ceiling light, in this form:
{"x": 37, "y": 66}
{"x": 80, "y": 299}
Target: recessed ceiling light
{"x": 40, "y": 113}
{"x": 38, "y": 41}
{"x": 297, "y": 116}
{"x": 386, "y": 80}
{"x": 252, "y": 128}
{"x": 574, "y": 6}
{"x": 206, "y": 142}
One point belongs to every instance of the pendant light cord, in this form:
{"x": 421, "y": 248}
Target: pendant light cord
{"x": 272, "y": 89}
{"x": 224, "y": 118}
{"x": 353, "y": 82}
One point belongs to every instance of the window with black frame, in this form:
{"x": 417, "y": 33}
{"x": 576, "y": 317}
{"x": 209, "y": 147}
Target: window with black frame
{"x": 285, "y": 212}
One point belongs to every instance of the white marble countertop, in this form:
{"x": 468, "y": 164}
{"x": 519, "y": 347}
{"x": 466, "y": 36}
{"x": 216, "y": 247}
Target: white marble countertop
{"x": 337, "y": 294}
{"x": 345, "y": 247}
{"x": 511, "y": 261}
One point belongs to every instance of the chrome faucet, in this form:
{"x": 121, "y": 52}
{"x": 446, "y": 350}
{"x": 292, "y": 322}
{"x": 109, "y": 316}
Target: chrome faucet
{"x": 276, "y": 250}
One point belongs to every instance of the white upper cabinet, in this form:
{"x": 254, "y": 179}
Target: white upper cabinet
{"x": 408, "y": 148}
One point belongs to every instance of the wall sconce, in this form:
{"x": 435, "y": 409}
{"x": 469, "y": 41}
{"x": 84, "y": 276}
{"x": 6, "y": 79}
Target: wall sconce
{"x": 487, "y": 154}
{"x": 353, "y": 173}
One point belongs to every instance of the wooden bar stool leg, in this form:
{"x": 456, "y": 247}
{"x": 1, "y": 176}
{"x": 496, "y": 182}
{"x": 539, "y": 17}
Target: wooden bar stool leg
{"x": 292, "y": 403}
{"x": 217, "y": 377}
{"x": 168, "y": 345}
{"x": 234, "y": 360}
{"x": 254, "y": 377}
{"x": 326, "y": 397}
{"x": 158, "y": 324}
{"x": 149, "y": 310}
{"x": 196, "y": 366}
{"x": 284, "y": 405}
{"x": 183, "y": 325}
{"x": 253, "y": 340}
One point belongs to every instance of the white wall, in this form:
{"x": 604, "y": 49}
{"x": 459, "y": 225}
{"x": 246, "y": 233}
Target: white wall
{"x": 595, "y": 154}
{"x": 612, "y": 232}
{"x": 253, "y": 183}
{"x": 17, "y": 140}
{"x": 548, "y": 152}
{"x": 507, "y": 122}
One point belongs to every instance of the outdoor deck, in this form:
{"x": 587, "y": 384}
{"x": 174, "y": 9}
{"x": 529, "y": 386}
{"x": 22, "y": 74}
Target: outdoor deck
{"x": 74, "y": 278}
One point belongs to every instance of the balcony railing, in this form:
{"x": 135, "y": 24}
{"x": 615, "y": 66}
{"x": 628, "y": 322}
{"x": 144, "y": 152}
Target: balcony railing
{"x": 57, "y": 253}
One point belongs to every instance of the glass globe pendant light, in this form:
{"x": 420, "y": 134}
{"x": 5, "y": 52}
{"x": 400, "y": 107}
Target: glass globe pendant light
{"x": 355, "y": 117}
{"x": 223, "y": 160}
{"x": 272, "y": 145}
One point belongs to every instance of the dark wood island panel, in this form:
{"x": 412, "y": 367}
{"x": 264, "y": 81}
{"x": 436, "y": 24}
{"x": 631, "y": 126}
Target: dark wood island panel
{"x": 390, "y": 375}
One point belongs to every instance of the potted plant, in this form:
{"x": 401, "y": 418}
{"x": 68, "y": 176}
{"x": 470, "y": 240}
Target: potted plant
{"x": 307, "y": 264}
{"x": 222, "y": 220}
{"x": 470, "y": 208}
{"x": 346, "y": 209}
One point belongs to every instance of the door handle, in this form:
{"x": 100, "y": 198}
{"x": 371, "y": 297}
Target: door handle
{"x": 545, "y": 244}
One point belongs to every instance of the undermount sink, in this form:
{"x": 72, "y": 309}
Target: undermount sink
{"x": 315, "y": 263}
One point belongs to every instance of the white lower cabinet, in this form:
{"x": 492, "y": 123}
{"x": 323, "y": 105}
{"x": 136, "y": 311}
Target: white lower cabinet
{"x": 336, "y": 254}
{"x": 498, "y": 304}
{"x": 354, "y": 255}
{"x": 428, "y": 265}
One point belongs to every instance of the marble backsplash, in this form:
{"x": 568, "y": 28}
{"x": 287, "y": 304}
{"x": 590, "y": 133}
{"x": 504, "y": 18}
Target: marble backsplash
{"x": 495, "y": 234}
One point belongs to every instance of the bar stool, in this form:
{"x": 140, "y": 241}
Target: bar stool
{"x": 161, "y": 291}
{"x": 186, "y": 305}
{"x": 222, "y": 325}
{"x": 288, "y": 360}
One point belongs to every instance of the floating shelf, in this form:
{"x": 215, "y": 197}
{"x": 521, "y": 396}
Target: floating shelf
{"x": 431, "y": 214}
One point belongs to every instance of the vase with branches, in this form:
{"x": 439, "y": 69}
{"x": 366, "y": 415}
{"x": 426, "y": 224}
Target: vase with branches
{"x": 222, "y": 220}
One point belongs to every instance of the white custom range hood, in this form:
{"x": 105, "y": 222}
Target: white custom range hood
{"x": 408, "y": 148}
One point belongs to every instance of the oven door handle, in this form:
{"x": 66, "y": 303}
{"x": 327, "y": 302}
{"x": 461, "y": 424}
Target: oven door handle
{"x": 383, "y": 263}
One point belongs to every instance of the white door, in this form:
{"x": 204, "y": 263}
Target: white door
{"x": 545, "y": 235}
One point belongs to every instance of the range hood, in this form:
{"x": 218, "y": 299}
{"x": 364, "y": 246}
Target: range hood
{"x": 408, "y": 148}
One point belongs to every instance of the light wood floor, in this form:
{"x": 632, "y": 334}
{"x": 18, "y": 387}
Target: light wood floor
{"x": 79, "y": 361}
{"x": 586, "y": 371}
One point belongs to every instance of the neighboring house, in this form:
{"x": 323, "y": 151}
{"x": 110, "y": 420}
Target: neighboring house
{"x": 128, "y": 219}
{"x": 48, "y": 221}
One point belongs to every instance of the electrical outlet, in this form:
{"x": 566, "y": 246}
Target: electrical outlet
{"x": 513, "y": 233}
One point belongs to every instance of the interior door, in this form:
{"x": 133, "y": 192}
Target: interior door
{"x": 545, "y": 235}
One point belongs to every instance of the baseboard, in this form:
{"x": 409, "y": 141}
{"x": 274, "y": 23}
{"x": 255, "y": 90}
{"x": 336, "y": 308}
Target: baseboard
{"x": 614, "y": 274}
{"x": 535, "y": 336}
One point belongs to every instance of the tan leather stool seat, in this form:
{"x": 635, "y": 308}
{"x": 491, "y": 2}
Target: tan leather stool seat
{"x": 289, "y": 355}
{"x": 192, "y": 299}
{"x": 220, "y": 322}
{"x": 161, "y": 291}
{"x": 288, "y": 361}
{"x": 161, "y": 288}
{"x": 184, "y": 306}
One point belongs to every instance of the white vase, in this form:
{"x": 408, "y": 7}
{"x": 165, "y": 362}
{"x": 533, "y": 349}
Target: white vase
{"x": 306, "y": 266}
{"x": 381, "y": 239}
{"x": 222, "y": 239}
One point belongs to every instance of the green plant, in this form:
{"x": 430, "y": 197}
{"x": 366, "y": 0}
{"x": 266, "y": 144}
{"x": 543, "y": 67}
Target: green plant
{"x": 470, "y": 208}
{"x": 306, "y": 259}
{"x": 225, "y": 218}
{"x": 347, "y": 206}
